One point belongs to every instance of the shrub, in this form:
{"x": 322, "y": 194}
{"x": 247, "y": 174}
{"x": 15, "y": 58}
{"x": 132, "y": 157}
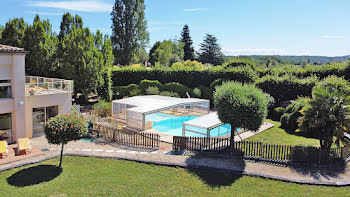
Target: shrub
{"x": 217, "y": 82}
{"x": 240, "y": 105}
{"x": 193, "y": 64}
{"x": 238, "y": 63}
{"x": 326, "y": 115}
{"x": 125, "y": 91}
{"x": 292, "y": 114}
{"x": 197, "y": 92}
{"x": 144, "y": 84}
{"x": 178, "y": 88}
{"x": 177, "y": 65}
{"x": 286, "y": 87}
{"x": 105, "y": 90}
{"x": 152, "y": 91}
{"x": 64, "y": 128}
{"x": 206, "y": 93}
{"x": 270, "y": 101}
{"x": 103, "y": 108}
{"x": 166, "y": 93}
{"x": 333, "y": 81}
{"x": 277, "y": 113}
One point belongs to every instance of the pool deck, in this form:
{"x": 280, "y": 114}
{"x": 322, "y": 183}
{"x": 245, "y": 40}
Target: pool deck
{"x": 244, "y": 135}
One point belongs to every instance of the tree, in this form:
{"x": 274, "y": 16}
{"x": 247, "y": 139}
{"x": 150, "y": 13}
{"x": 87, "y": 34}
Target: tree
{"x": 79, "y": 58}
{"x": 326, "y": 116}
{"x": 1, "y": 30}
{"x": 64, "y": 128}
{"x": 210, "y": 51}
{"x": 186, "y": 39}
{"x": 13, "y": 33}
{"x": 40, "y": 40}
{"x": 129, "y": 29}
{"x": 166, "y": 52}
{"x": 240, "y": 105}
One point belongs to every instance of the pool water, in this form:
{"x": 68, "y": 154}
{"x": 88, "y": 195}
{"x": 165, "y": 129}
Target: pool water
{"x": 172, "y": 125}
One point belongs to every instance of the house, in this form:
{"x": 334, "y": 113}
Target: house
{"x": 27, "y": 102}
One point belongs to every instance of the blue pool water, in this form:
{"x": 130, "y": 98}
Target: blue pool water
{"x": 172, "y": 125}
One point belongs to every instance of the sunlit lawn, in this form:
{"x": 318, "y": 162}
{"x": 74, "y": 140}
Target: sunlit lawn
{"x": 83, "y": 176}
{"x": 277, "y": 135}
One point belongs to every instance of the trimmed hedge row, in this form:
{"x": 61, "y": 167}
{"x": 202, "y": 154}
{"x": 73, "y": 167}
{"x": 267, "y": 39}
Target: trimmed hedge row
{"x": 190, "y": 78}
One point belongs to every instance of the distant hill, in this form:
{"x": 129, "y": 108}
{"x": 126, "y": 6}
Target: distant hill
{"x": 299, "y": 59}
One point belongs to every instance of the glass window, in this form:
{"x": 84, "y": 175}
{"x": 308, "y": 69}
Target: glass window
{"x": 51, "y": 112}
{"x": 5, "y": 126}
{"x": 38, "y": 120}
{"x": 5, "y": 89}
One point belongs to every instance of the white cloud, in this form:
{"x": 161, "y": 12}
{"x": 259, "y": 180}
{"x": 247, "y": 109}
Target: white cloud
{"x": 333, "y": 37}
{"x": 85, "y": 6}
{"x": 44, "y": 13}
{"x": 195, "y": 9}
{"x": 263, "y": 51}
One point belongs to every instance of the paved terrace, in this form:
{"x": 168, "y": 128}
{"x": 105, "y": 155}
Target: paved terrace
{"x": 326, "y": 175}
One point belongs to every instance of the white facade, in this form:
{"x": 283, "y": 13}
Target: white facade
{"x": 17, "y": 105}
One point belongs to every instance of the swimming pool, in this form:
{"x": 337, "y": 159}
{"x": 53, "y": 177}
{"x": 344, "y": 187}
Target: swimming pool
{"x": 172, "y": 125}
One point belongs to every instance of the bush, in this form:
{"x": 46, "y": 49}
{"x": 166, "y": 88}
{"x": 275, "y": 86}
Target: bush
{"x": 105, "y": 90}
{"x": 277, "y": 113}
{"x": 149, "y": 83}
{"x": 286, "y": 87}
{"x": 241, "y": 105}
{"x": 178, "y": 88}
{"x": 217, "y": 82}
{"x": 335, "y": 82}
{"x": 206, "y": 93}
{"x": 124, "y": 91}
{"x": 64, "y": 128}
{"x": 292, "y": 114}
{"x": 270, "y": 101}
{"x": 197, "y": 92}
{"x": 193, "y": 64}
{"x": 152, "y": 91}
{"x": 238, "y": 63}
{"x": 166, "y": 93}
{"x": 103, "y": 108}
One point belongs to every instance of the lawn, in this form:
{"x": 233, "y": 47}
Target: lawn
{"x": 83, "y": 176}
{"x": 277, "y": 135}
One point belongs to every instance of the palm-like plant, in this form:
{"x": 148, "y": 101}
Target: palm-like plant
{"x": 327, "y": 115}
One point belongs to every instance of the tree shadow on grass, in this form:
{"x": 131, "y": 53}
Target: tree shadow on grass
{"x": 34, "y": 175}
{"x": 218, "y": 169}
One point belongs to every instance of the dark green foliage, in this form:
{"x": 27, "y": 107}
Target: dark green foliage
{"x": 292, "y": 114}
{"x": 197, "y": 93}
{"x": 105, "y": 91}
{"x": 270, "y": 101}
{"x": 286, "y": 87}
{"x": 152, "y": 90}
{"x": 1, "y": 30}
{"x": 277, "y": 113}
{"x": 210, "y": 51}
{"x": 206, "y": 93}
{"x": 241, "y": 105}
{"x": 40, "y": 41}
{"x": 186, "y": 39}
{"x": 166, "y": 53}
{"x": 124, "y": 91}
{"x": 177, "y": 88}
{"x": 13, "y": 32}
{"x": 190, "y": 77}
{"x": 326, "y": 115}
{"x": 149, "y": 83}
{"x": 103, "y": 108}
{"x": 129, "y": 29}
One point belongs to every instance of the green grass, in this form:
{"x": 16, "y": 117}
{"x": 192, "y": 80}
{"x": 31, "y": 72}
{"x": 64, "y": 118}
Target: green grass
{"x": 82, "y": 176}
{"x": 277, "y": 135}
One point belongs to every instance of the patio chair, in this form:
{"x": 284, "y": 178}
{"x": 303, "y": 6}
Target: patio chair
{"x": 23, "y": 146}
{"x": 3, "y": 149}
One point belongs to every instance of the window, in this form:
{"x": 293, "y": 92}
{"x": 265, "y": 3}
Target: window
{"x": 5, "y": 89}
{"x": 41, "y": 116}
{"x": 5, "y": 126}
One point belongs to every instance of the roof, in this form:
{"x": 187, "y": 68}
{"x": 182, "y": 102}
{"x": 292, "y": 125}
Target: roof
{"x": 151, "y": 103}
{"x": 11, "y": 49}
{"x": 209, "y": 121}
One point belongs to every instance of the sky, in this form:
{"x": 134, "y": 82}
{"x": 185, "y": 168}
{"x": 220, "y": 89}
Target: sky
{"x": 243, "y": 27}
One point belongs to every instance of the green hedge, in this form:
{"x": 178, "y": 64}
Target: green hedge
{"x": 189, "y": 77}
{"x": 286, "y": 87}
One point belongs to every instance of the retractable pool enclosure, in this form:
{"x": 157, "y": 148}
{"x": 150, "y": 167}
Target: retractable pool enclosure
{"x": 134, "y": 109}
{"x": 206, "y": 126}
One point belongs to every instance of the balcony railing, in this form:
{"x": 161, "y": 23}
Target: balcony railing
{"x": 43, "y": 85}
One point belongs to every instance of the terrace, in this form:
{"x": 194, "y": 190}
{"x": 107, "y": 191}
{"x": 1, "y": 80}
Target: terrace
{"x": 44, "y": 86}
